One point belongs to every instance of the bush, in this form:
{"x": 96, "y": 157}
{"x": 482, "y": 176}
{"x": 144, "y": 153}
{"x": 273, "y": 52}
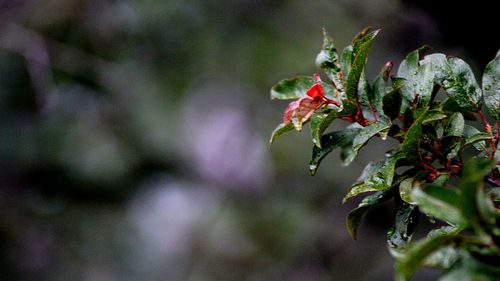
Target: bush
{"x": 429, "y": 108}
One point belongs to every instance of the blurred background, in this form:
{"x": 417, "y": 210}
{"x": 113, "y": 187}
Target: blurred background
{"x": 133, "y": 136}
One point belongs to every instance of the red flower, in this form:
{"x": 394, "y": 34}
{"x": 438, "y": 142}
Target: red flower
{"x": 299, "y": 111}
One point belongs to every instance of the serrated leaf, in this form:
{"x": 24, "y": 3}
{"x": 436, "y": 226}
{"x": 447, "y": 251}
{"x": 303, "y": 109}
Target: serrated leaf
{"x": 328, "y": 61}
{"x": 354, "y": 217}
{"x": 491, "y": 87}
{"x": 455, "y": 125}
{"x": 361, "y": 45}
{"x": 439, "y": 202}
{"x": 417, "y": 253}
{"x": 404, "y": 225}
{"x": 377, "y": 175}
{"x": 330, "y": 142}
{"x": 280, "y": 130}
{"x": 348, "y": 154}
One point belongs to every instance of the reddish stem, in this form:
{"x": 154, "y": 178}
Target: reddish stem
{"x": 489, "y": 130}
{"x": 486, "y": 124}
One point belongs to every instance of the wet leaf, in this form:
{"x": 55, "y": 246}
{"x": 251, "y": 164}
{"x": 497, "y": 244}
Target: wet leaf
{"x": 457, "y": 78}
{"x": 439, "y": 202}
{"x": 391, "y": 102}
{"x": 300, "y": 111}
{"x": 354, "y": 217}
{"x": 491, "y": 87}
{"x": 377, "y": 175}
{"x": 473, "y": 136}
{"x": 455, "y": 125}
{"x": 418, "y": 252}
{"x": 346, "y": 60}
{"x": 405, "y": 189}
{"x": 411, "y": 142}
{"x": 330, "y": 142}
{"x": 419, "y": 79}
{"x": 472, "y": 179}
{"x": 471, "y": 269}
{"x": 328, "y": 60}
{"x": 404, "y": 224}
{"x": 433, "y": 115}
{"x": 348, "y": 154}
{"x": 292, "y": 88}
{"x": 379, "y": 89}
{"x": 280, "y": 130}
{"x": 321, "y": 120}
{"x": 360, "y": 46}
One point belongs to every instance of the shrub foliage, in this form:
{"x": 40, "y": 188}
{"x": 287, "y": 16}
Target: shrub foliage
{"x": 433, "y": 107}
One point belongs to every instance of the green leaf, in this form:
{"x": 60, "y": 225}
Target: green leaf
{"x": 491, "y": 87}
{"x": 473, "y": 136}
{"x": 379, "y": 90}
{"x": 472, "y": 179}
{"x": 412, "y": 140}
{"x": 444, "y": 257}
{"x": 455, "y": 125}
{"x": 296, "y": 87}
{"x": 404, "y": 225}
{"x": 317, "y": 121}
{"x": 280, "y": 130}
{"x": 328, "y": 61}
{"x": 405, "y": 188}
{"x": 419, "y": 79}
{"x": 457, "y": 78}
{"x": 471, "y": 269}
{"x": 354, "y": 217}
{"x": 439, "y": 202}
{"x": 391, "y": 102}
{"x": 487, "y": 211}
{"x": 346, "y": 60}
{"x": 321, "y": 120}
{"x": 416, "y": 255}
{"x": 377, "y": 175}
{"x": 329, "y": 143}
{"x": 433, "y": 115}
{"x": 292, "y": 88}
{"x": 348, "y": 154}
{"x": 361, "y": 44}
{"x": 350, "y": 141}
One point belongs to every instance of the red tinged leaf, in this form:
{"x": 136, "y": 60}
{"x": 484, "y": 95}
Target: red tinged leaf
{"x": 301, "y": 110}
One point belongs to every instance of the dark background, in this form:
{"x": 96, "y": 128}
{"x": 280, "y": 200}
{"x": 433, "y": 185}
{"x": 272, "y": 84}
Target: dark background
{"x": 133, "y": 136}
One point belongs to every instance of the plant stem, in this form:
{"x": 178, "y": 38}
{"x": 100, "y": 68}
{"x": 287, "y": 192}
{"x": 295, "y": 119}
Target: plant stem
{"x": 486, "y": 124}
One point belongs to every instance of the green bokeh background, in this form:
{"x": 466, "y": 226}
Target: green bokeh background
{"x": 133, "y": 137}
